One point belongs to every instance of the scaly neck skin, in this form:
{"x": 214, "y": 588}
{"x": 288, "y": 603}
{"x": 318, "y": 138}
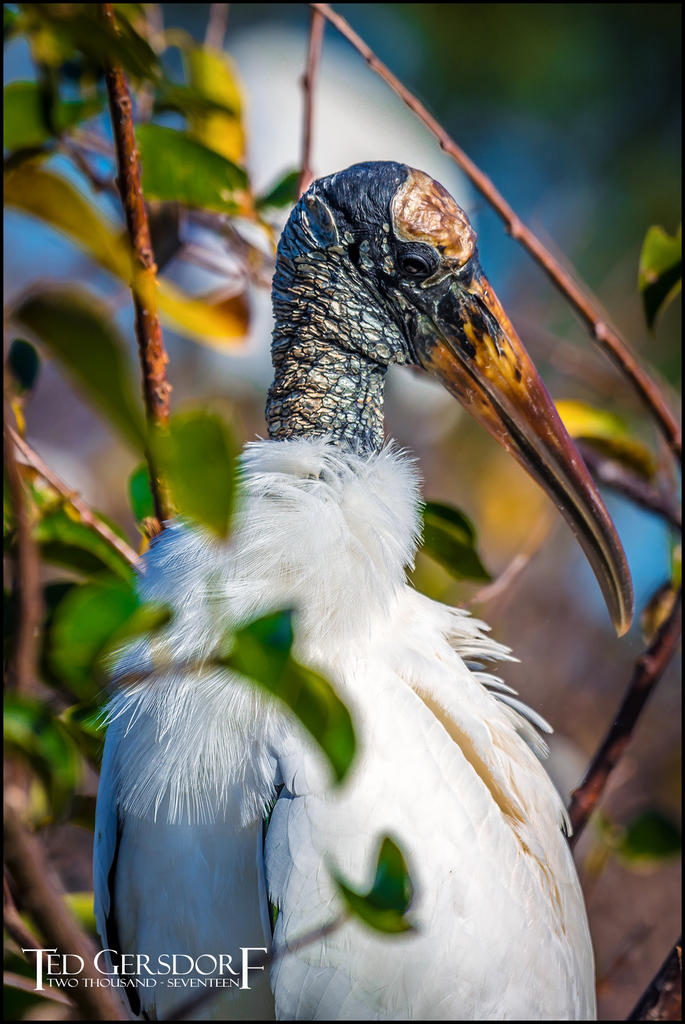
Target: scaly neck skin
{"x": 321, "y": 389}
{"x": 331, "y": 349}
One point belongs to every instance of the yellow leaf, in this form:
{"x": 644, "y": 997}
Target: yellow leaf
{"x": 216, "y": 324}
{"x": 608, "y": 433}
{"x": 213, "y": 74}
{"x": 54, "y": 200}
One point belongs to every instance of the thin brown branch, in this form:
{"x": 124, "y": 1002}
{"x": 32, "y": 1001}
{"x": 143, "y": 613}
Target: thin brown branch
{"x": 612, "y": 474}
{"x": 585, "y": 305}
{"x": 86, "y": 514}
{"x": 216, "y": 26}
{"x": 648, "y": 670}
{"x": 663, "y": 999}
{"x": 42, "y": 898}
{"x": 316, "y": 28}
{"x": 153, "y": 357}
{"x": 27, "y": 574}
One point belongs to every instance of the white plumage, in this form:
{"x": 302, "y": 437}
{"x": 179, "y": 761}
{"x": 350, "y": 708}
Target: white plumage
{"x": 445, "y": 765}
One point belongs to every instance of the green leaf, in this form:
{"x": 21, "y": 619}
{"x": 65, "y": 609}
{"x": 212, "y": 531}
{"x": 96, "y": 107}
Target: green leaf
{"x": 196, "y": 456}
{"x": 23, "y": 363}
{"x": 81, "y": 905}
{"x": 85, "y": 723}
{"x": 283, "y": 193}
{"x": 32, "y": 732}
{"x": 386, "y": 903}
{"x": 177, "y": 167}
{"x": 184, "y": 99}
{"x": 449, "y": 537}
{"x": 81, "y": 27}
{"x": 261, "y": 652}
{"x": 648, "y": 837}
{"x": 25, "y": 124}
{"x": 92, "y": 621}
{"x": 607, "y": 433}
{"x": 82, "y": 628}
{"x": 140, "y": 493}
{"x": 9, "y": 22}
{"x": 660, "y": 270}
{"x": 78, "y": 331}
{"x": 67, "y": 542}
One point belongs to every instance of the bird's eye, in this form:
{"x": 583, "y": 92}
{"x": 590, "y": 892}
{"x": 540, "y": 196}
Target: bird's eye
{"x": 416, "y": 264}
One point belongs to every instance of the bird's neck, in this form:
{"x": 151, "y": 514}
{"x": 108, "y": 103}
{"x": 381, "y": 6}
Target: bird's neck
{"x": 329, "y": 356}
{"x": 320, "y": 389}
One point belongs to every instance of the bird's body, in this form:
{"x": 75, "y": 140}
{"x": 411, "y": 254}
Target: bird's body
{"x": 193, "y": 761}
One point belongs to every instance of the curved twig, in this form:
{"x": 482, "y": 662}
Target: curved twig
{"x": 612, "y": 474}
{"x": 316, "y": 27}
{"x": 586, "y": 305}
{"x": 648, "y": 670}
{"x": 85, "y": 512}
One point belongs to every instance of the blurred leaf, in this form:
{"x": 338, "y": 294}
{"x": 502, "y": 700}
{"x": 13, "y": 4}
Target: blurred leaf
{"x": 64, "y": 28}
{"x": 184, "y": 99}
{"x": 449, "y": 537}
{"x": 9, "y": 22}
{"x": 31, "y": 731}
{"x": 197, "y": 459}
{"x": 91, "y": 621}
{"x": 261, "y": 652}
{"x": 283, "y": 193}
{"x": 608, "y": 434}
{"x": 176, "y": 167}
{"x": 660, "y": 270}
{"x": 83, "y": 625}
{"x": 78, "y": 331}
{"x": 213, "y": 325}
{"x": 71, "y": 544}
{"x": 140, "y": 493}
{"x": 213, "y": 75}
{"x": 25, "y": 124}
{"x": 85, "y": 724}
{"x": 165, "y": 231}
{"x": 81, "y": 906}
{"x": 23, "y": 364}
{"x": 650, "y": 836}
{"x": 385, "y": 905}
{"x": 55, "y": 201}
{"x": 657, "y": 610}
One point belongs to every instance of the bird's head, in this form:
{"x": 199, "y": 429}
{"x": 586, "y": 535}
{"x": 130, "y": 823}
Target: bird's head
{"x": 386, "y": 264}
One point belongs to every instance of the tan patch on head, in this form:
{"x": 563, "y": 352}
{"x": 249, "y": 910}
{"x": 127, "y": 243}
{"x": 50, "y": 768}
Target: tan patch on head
{"x": 423, "y": 211}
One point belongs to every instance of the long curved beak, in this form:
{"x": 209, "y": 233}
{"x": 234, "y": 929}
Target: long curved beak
{"x": 470, "y": 345}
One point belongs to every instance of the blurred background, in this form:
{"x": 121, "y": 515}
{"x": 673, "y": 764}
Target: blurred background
{"x": 574, "y": 112}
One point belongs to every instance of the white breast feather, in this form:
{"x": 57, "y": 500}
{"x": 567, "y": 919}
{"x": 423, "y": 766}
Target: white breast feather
{"x": 445, "y": 761}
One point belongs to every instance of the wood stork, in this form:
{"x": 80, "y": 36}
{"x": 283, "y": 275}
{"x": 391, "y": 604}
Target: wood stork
{"x": 376, "y": 265}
